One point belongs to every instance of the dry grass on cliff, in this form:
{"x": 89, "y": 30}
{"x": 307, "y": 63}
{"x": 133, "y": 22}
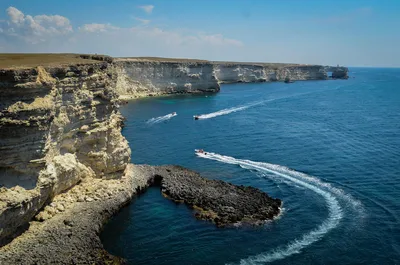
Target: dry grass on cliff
{"x": 186, "y": 60}
{"x": 28, "y": 60}
{"x": 163, "y": 59}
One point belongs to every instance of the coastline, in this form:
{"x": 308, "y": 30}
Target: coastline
{"x": 63, "y": 154}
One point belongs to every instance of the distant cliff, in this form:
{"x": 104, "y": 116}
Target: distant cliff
{"x": 238, "y": 72}
{"x": 338, "y": 72}
{"x": 138, "y": 77}
{"x": 135, "y": 78}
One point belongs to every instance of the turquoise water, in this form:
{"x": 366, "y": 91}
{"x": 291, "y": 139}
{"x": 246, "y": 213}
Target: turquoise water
{"x": 329, "y": 149}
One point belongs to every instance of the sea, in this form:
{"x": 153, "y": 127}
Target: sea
{"x": 330, "y": 150}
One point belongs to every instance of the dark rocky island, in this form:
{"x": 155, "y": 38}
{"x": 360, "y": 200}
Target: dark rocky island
{"x": 215, "y": 200}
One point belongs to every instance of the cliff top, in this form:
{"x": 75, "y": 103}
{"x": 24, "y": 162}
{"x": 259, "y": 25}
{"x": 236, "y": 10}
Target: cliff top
{"x": 161, "y": 59}
{"x": 29, "y": 60}
{"x": 185, "y": 60}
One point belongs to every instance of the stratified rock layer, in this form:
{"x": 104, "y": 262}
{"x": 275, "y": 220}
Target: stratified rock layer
{"x": 247, "y": 73}
{"x": 57, "y": 127}
{"x": 67, "y": 230}
{"x": 139, "y": 78}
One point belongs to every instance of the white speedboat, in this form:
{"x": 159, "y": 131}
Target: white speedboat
{"x": 200, "y": 151}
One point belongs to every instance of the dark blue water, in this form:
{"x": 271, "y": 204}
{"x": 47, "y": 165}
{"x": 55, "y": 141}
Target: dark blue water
{"x": 341, "y": 140}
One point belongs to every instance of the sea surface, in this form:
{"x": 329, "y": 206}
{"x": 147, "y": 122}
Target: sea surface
{"x": 329, "y": 149}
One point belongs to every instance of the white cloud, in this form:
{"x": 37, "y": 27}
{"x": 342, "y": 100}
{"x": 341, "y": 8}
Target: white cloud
{"x": 147, "y": 8}
{"x": 34, "y": 29}
{"x": 177, "y": 38}
{"x": 16, "y": 16}
{"x": 219, "y": 39}
{"x": 145, "y": 40}
{"x": 94, "y": 27}
{"x": 143, "y": 21}
{"x": 45, "y": 33}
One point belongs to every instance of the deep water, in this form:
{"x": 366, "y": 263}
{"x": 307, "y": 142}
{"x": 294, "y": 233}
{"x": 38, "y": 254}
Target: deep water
{"x": 340, "y": 138}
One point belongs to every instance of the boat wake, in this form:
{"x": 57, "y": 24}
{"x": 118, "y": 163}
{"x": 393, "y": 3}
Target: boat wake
{"x": 161, "y": 118}
{"x": 330, "y": 194}
{"x": 227, "y": 111}
{"x": 240, "y": 108}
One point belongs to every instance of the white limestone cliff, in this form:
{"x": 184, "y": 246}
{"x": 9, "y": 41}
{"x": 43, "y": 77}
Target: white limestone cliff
{"x": 58, "y": 126}
{"x": 136, "y": 78}
{"x": 143, "y": 77}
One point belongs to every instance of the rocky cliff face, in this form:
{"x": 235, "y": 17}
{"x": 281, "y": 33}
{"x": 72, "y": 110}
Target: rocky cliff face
{"x": 137, "y": 78}
{"x": 57, "y": 127}
{"x": 301, "y": 72}
{"x": 141, "y": 77}
{"x": 234, "y": 73}
{"x": 237, "y": 73}
{"x": 338, "y": 72}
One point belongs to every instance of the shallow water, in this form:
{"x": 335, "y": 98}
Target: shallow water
{"x": 339, "y": 143}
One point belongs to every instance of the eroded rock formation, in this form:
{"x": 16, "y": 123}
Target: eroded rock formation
{"x": 246, "y": 73}
{"x": 136, "y": 78}
{"x": 338, "y": 72}
{"x": 57, "y": 127}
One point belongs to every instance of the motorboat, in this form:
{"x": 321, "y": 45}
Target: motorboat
{"x": 196, "y": 117}
{"x": 200, "y": 151}
{"x": 173, "y": 113}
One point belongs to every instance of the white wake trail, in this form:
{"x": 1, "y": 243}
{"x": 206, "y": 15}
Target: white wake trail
{"x": 240, "y": 108}
{"x": 161, "y": 118}
{"x": 312, "y": 183}
{"x": 227, "y": 111}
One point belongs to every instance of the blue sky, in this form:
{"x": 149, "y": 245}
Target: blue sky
{"x": 345, "y": 32}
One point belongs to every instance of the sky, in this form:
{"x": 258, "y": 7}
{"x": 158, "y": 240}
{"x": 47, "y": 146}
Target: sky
{"x": 344, "y": 32}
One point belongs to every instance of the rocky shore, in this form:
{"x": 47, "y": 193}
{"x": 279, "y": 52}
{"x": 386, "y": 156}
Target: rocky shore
{"x": 67, "y": 230}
